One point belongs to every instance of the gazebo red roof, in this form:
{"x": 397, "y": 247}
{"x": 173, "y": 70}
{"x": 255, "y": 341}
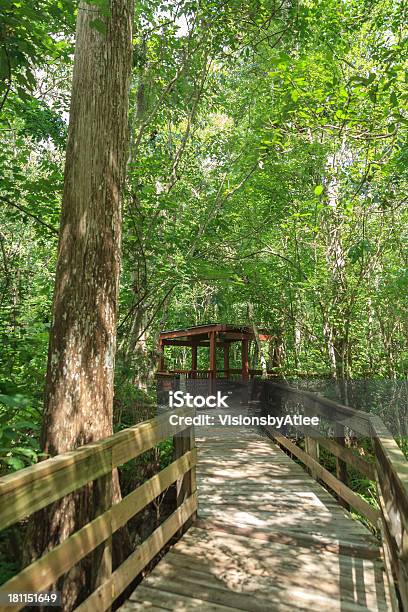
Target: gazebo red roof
{"x": 224, "y": 332}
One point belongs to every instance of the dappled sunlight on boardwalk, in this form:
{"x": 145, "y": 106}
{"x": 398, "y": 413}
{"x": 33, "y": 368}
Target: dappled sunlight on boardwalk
{"x": 268, "y": 537}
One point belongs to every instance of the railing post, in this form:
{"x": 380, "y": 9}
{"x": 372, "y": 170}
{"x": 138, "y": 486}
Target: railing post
{"x": 186, "y": 485}
{"x": 341, "y": 466}
{"x": 102, "y": 555}
{"x": 312, "y": 449}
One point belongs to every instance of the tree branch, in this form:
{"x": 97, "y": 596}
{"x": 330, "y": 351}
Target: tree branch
{"x": 29, "y": 214}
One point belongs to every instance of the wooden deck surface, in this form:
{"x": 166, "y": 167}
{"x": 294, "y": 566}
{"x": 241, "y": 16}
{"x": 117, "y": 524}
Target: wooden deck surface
{"x": 268, "y": 537}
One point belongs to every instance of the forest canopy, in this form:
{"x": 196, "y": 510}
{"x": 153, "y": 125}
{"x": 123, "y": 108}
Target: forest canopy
{"x": 266, "y": 174}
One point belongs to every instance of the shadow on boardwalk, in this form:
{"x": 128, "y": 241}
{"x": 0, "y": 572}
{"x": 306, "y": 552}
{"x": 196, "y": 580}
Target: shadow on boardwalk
{"x": 268, "y": 537}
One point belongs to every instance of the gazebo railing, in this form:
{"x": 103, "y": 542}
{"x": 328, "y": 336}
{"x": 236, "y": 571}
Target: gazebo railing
{"x": 231, "y": 373}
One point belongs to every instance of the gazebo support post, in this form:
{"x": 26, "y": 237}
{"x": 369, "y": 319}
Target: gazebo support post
{"x": 213, "y": 361}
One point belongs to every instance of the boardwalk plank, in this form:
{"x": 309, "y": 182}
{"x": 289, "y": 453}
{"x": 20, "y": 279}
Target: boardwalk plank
{"x": 242, "y": 584}
{"x": 143, "y": 596}
{"x": 268, "y": 537}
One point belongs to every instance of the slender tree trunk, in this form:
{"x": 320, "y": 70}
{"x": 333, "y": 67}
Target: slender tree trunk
{"x": 260, "y": 351}
{"x": 79, "y": 383}
{"x": 328, "y": 335}
{"x": 137, "y": 353}
{"x": 336, "y": 334}
{"x": 277, "y": 348}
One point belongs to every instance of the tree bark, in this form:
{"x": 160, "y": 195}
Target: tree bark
{"x": 79, "y": 382}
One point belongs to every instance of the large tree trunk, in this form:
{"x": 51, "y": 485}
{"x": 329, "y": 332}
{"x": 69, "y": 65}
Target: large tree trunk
{"x": 79, "y": 383}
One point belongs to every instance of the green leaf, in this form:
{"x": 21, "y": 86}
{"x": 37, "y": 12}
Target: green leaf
{"x": 318, "y": 190}
{"x": 14, "y": 401}
{"x": 15, "y": 463}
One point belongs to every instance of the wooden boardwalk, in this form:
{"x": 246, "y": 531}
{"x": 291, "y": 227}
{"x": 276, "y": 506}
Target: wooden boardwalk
{"x": 267, "y": 537}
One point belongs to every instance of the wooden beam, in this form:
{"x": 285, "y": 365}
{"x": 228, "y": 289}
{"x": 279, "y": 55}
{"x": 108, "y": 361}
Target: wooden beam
{"x": 248, "y": 335}
{"x": 171, "y": 342}
{"x": 321, "y": 473}
{"x": 213, "y": 362}
{"x": 213, "y": 355}
{"x": 347, "y": 456}
{"x": 191, "y": 342}
{"x": 194, "y": 331}
{"x": 34, "y": 487}
{"x": 186, "y": 485}
{"x": 102, "y": 555}
{"x": 160, "y": 365}
{"x": 312, "y": 449}
{"x": 105, "y": 595}
{"x": 237, "y": 336}
{"x": 341, "y": 466}
{"x": 45, "y": 571}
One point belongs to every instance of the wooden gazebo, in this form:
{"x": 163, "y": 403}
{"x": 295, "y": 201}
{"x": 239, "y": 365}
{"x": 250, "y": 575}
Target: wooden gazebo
{"x": 214, "y": 336}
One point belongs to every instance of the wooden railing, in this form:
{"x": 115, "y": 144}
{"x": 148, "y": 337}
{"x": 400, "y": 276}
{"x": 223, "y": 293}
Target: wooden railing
{"x": 231, "y": 373}
{"x": 34, "y": 488}
{"x": 389, "y": 469}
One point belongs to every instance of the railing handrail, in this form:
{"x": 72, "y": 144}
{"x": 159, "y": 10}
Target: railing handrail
{"x": 390, "y": 472}
{"x": 78, "y": 467}
{"x": 377, "y": 429}
{"x": 190, "y": 371}
{"x": 33, "y": 488}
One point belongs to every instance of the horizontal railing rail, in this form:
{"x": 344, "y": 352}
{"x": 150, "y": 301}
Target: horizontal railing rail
{"x": 392, "y": 488}
{"x": 389, "y": 469}
{"x": 35, "y": 487}
{"x": 233, "y": 373}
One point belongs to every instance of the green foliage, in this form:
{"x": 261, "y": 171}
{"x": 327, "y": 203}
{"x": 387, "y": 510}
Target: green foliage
{"x": 9, "y": 565}
{"x": 19, "y": 432}
{"x": 26, "y": 42}
{"x": 288, "y": 147}
{"x": 268, "y": 165}
{"x": 166, "y": 450}
{"x": 362, "y": 486}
